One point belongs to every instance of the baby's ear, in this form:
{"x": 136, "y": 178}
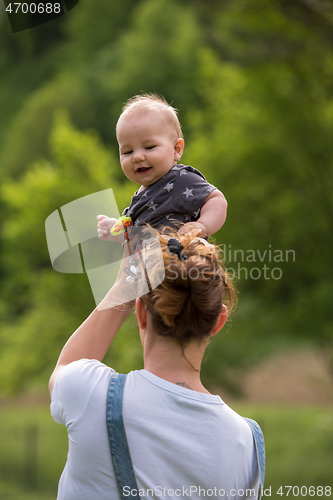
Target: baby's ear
{"x": 179, "y": 148}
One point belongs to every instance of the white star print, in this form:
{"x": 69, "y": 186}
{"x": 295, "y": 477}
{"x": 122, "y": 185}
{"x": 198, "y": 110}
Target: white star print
{"x": 145, "y": 193}
{"x": 169, "y": 186}
{"x": 188, "y": 192}
{"x": 196, "y": 213}
{"x": 152, "y": 205}
{"x": 183, "y": 172}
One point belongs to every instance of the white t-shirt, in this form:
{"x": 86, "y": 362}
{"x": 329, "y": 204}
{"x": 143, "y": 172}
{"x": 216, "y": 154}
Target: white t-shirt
{"x": 183, "y": 443}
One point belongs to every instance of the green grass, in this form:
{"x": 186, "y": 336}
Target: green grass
{"x": 299, "y": 450}
{"x": 33, "y": 453}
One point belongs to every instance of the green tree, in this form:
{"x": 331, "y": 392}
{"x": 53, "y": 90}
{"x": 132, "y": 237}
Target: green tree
{"x": 253, "y": 82}
{"x": 272, "y": 156}
{"x": 40, "y": 308}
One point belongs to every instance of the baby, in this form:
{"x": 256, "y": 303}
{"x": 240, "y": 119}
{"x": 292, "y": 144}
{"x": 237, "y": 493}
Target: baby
{"x": 150, "y": 145}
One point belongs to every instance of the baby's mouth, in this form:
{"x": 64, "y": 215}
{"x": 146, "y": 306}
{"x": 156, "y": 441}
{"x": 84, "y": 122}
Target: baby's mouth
{"x": 143, "y": 170}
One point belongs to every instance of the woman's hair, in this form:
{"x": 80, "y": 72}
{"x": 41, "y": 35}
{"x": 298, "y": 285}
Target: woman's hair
{"x": 187, "y": 303}
{"x": 155, "y": 102}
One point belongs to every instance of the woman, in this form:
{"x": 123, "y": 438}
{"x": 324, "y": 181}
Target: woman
{"x": 183, "y": 441}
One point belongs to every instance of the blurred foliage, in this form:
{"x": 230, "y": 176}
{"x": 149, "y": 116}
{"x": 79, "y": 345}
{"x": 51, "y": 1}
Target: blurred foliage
{"x": 253, "y": 80}
{"x": 39, "y": 306}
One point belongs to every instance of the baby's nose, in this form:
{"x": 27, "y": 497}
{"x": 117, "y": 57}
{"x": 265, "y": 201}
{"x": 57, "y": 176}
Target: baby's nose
{"x": 138, "y": 156}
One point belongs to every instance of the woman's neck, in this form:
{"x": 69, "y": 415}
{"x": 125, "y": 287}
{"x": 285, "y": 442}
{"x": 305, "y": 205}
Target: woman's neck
{"x": 166, "y": 359}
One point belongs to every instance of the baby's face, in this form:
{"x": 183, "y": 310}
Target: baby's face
{"x": 148, "y": 148}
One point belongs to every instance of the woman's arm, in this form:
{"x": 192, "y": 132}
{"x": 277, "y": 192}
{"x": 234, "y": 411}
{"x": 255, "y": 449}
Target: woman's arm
{"x": 93, "y": 338}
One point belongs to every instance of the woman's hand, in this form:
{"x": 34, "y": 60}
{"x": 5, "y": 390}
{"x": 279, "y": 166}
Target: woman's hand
{"x": 193, "y": 225}
{"x": 123, "y": 293}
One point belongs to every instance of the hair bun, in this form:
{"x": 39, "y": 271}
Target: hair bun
{"x": 175, "y": 246}
{"x": 186, "y": 305}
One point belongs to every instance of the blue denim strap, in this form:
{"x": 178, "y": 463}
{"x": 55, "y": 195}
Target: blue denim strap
{"x": 260, "y": 449}
{"x": 121, "y": 459}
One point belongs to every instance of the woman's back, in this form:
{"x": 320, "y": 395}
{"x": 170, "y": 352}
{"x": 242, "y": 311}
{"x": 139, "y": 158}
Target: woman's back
{"x": 183, "y": 443}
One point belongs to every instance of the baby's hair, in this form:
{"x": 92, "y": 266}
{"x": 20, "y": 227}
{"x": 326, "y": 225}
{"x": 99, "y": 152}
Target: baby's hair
{"x": 147, "y": 102}
{"x": 186, "y": 305}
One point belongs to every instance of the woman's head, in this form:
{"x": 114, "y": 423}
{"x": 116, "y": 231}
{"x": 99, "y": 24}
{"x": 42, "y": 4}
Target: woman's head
{"x": 186, "y": 305}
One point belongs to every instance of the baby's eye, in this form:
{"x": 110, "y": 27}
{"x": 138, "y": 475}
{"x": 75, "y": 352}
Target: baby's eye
{"x": 127, "y": 152}
{"x": 150, "y": 147}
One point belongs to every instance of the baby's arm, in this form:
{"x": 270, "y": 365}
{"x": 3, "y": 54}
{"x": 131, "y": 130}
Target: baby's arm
{"x": 212, "y": 216}
{"x": 104, "y": 227}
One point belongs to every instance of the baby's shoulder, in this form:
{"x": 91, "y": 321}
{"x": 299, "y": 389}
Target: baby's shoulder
{"x": 181, "y": 170}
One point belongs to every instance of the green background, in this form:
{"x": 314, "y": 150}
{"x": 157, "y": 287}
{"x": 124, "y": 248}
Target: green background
{"x": 253, "y": 82}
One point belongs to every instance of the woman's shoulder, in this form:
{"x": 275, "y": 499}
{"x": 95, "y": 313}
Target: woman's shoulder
{"x": 74, "y": 385}
{"x": 84, "y": 368}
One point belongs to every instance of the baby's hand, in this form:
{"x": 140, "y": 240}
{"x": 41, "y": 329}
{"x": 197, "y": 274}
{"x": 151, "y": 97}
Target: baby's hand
{"x": 105, "y": 225}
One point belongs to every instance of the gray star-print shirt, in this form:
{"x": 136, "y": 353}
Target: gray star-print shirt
{"x": 178, "y": 196}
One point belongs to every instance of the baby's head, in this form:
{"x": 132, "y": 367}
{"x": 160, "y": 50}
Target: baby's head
{"x": 150, "y": 138}
{"x": 153, "y": 103}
